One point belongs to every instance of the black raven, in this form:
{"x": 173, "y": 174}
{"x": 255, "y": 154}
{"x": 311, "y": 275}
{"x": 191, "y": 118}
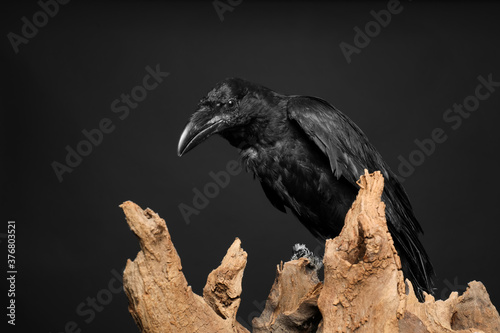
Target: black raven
{"x": 308, "y": 156}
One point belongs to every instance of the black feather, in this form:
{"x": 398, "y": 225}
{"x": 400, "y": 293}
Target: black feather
{"x": 308, "y": 156}
{"x": 349, "y": 153}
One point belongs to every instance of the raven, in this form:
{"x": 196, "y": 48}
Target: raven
{"x": 307, "y": 156}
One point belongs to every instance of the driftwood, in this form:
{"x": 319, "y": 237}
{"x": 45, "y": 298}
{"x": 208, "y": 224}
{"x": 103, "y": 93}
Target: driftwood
{"x": 363, "y": 291}
{"x": 160, "y": 299}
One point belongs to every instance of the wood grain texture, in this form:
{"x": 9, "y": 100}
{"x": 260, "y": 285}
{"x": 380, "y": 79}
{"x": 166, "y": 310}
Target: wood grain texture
{"x": 160, "y": 299}
{"x": 364, "y": 290}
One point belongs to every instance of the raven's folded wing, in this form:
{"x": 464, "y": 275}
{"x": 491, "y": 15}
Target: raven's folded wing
{"x": 349, "y": 153}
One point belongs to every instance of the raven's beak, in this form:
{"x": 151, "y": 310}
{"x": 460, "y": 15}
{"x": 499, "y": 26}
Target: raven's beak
{"x": 193, "y": 135}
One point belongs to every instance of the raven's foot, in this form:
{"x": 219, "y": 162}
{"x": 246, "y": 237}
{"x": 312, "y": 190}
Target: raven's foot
{"x": 301, "y": 251}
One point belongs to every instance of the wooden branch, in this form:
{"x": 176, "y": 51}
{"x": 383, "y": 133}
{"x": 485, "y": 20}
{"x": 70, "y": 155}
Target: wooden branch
{"x": 292, "y": 303}
{"x": 364, "y": 289}
{"x": 160, "y": 299}
{"x": 363, "y": 281}
{"x": 223, "y": 288}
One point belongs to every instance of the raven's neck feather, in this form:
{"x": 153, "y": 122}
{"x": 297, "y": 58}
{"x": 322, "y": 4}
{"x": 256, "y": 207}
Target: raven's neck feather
{"x": 267, "y": 125}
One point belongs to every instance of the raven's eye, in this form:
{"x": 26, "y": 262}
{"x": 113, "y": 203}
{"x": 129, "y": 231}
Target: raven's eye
{"x": 218, "y": 104}
{"x": 231, "y": 103}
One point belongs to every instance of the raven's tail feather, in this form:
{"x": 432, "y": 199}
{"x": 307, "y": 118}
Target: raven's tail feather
{"x": 415, "y": 262}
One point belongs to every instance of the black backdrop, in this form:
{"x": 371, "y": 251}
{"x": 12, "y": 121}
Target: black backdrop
{"x": 72, "y": 239}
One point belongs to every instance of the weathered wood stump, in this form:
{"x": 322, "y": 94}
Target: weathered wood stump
{"x": 363, "y": 291}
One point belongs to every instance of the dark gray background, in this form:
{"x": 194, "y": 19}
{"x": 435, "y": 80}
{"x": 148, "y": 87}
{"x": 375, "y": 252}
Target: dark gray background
{"x": 72, "y": 235}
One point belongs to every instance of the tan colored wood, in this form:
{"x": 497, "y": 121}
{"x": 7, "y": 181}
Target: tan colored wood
{"x": 292, "y": 302}
{"x": 364, "y": 290}
{"x": 160, "y": 299}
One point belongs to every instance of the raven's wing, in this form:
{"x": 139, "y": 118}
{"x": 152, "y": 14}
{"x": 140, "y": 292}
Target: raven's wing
{"x": 346, "y": 146}
{"x": 349, "y": 153}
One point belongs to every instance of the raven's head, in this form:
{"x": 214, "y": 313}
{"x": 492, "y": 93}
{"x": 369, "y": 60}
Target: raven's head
{"x": 226, "y": 110}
